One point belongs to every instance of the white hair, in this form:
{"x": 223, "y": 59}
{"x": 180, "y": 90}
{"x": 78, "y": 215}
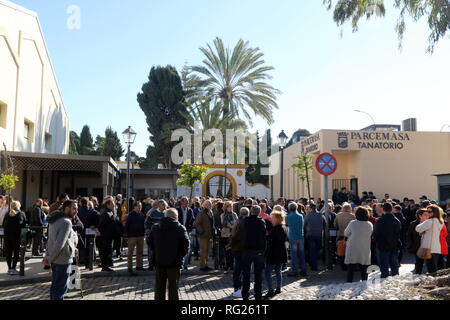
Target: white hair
{"x": 171, "y": 213}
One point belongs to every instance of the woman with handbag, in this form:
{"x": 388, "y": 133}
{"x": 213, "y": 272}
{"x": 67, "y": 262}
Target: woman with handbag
{"x": 413, "y": 241}
{"x": 430, "y": 229}
{"x": 359, "y": 235}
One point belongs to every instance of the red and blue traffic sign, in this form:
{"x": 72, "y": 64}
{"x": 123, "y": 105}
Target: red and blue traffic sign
{"x": 326, "y": 164}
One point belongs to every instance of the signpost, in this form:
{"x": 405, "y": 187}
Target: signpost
{"x": 326, "y": 165}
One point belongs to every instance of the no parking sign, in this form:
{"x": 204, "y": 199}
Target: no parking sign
{"x": 326, "y": 164}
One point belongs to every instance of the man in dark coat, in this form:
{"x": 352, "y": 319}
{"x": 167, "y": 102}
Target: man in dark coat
{"x": 186, "y": 217}
{"x": 108, "y": 231}
{"x": 169, "y": 242}
{"x": 387, "y": 234}
{"x": 254, "y": 250}
{"x": 90, "y": 219}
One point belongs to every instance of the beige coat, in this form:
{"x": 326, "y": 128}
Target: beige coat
{"x": 341, "y": 222}
{"x": 359, "y": 235}
{"x": 432, "y": 229}
{"x": 204, "y": 224}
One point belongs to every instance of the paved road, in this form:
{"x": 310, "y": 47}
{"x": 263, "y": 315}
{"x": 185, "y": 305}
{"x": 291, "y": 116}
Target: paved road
{"x": 216, "y": 286}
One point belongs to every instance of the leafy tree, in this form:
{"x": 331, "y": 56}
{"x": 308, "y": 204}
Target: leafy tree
{"x": 74, "y": 145}
{"x": 162, "y": 101}
{"x": 86, "y": 141}
{"x": 236, "y": 79}
{"x": 109, "y": 145}
{"x": 303, "y": 168}
{"x": 191, "y": 173}
{"x": 99, "y": 145}
{"x": 436, "y": 11}
{"x": 112, "y": 146}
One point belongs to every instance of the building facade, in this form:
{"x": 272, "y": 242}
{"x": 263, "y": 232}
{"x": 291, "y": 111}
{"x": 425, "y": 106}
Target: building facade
{"x": 32, "y": 114}
{"x": 400, "y": 163}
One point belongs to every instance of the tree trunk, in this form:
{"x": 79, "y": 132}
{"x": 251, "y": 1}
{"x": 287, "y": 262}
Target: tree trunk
{"x": 307, "y": 180}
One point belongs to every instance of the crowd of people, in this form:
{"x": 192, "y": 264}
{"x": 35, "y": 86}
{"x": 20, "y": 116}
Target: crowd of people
{"x": 240, "y": 234}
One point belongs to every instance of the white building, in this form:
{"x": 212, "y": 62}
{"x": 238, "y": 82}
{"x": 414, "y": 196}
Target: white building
{"x": 32, "y": 114}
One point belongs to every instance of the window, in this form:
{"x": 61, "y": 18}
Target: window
{"x": 3, "y": 114}
{"x": 48, "y": 142}
{"x": 28, "y": 130}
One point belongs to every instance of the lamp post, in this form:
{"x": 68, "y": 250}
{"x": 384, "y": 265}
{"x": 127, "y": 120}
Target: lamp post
{"x": 133, "y": 163}
{"x": 129, "y": 135}
{"x": 282, "y": 141}
{"x": 368, "y": 115}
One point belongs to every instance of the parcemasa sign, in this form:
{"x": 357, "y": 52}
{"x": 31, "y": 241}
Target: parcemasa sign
{"x": 374, "y": 140}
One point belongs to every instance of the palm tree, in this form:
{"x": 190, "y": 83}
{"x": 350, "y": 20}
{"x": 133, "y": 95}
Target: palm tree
{"x": 236, "y": 80}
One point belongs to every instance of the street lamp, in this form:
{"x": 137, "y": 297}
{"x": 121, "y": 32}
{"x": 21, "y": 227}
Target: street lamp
{"x": 445, "y": 125}
{"x": 133, "y": 160}
{"x": 282, "y": 141}
{"x": 129, "y": 135}
{"x": 374, "y": 124}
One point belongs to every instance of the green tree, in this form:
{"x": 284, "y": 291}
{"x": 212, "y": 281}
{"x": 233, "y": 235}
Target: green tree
{"x": 303, "y": 168}
{"x": 86, "y": 141}
{"x": 191, "y": 173}
{"x": 99, "y": 145}
{"x": 74, "y": 145}
{"x": 237, "y": 80}
{"x": 112, "y": 146}
{"x": 436, "y": 11}
{"x": 162, "y": 101}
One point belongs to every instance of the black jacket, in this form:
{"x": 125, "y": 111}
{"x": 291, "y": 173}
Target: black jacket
{"x": 276, "y": 246}
{"x": 169, "y": 242}
{"x": 88, "y": 217}
{"x": 254, "y": 234}
{"x": 14, "y": 224}
{"x": 189, "y": 225}
{"x": 413, "y": 238}
{"x": 108, "y": 224}
{"x": 134, "y": 227}
{"x": 387, "y": 233}
{"x": 37, "y": 217}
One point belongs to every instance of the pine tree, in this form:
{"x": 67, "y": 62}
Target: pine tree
{"x": 86, "y": 141}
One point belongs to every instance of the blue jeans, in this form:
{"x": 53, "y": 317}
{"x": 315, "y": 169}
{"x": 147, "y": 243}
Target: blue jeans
{"x": 297, "y": 255}
{"x": 386, "y": 260}
{"x": 237, "y": 271}
{"x": 278, "y": 275}
{"x": 315, "y": 244}
{"x": 60, "y": 278}
{"x": 257, "y": 259}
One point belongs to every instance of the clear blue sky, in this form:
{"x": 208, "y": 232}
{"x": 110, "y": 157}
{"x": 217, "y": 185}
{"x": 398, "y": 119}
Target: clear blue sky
{"x": 323, "y": 77}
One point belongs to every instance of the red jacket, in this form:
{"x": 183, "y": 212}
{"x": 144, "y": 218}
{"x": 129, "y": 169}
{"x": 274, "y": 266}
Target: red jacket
{"x": 443, "y": 240}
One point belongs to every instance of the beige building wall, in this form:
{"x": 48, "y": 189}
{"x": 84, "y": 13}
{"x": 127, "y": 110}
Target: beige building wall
{"x": 402, "y": 164}
{"x": 29, "y": 91}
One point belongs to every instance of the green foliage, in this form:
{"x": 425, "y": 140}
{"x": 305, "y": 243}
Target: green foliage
{"x": 191, "y": 173}
{"x": 436, "y": 11}
{"x": 162, "y": 101}
{"x": 86, "y": 141}
{"x": 74, "y": 146}
{"x": 8, "y": 182}
{"x": 235, "y": 80}
{"x": 303, "y": 168}
{"x": 112, "y": 146}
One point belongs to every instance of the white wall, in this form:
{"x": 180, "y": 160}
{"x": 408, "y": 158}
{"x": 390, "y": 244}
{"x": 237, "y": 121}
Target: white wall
{"x": 28, "y": 85}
